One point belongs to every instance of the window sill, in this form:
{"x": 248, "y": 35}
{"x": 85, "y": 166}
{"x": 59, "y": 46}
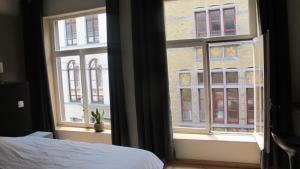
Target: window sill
{"x": 247, "y": 138}
{"x": 83, "y": 130}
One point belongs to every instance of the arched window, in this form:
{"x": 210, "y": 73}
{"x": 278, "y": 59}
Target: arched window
{"x": 96, "y": 83}
{"x": 74, "y": 81}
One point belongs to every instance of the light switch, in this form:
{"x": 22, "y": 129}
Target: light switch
{"x": 20, "y": 104}
{"x": 1, "y": 67}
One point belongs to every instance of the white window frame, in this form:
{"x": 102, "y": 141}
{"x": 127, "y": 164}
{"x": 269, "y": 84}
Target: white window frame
{"x": 56, "y": 53}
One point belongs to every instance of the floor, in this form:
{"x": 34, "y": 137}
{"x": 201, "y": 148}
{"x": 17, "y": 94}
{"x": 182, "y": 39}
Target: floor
{"x": 203, "y": 166}
{"x": 195, "y": 167}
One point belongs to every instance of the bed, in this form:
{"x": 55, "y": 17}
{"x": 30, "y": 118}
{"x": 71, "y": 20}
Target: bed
{"x": 42, "y": 153}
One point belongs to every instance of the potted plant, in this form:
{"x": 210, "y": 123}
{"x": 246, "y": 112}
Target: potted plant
{"x": 99, "y": 124}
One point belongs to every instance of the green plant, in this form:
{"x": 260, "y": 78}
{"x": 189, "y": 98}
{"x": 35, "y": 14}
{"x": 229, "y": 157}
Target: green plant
{"x": 98, "y": 117}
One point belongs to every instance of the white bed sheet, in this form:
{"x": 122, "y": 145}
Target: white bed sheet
{"x": 42, "y": 153}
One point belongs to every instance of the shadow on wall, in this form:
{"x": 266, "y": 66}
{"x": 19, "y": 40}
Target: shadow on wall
{"x": 11, "y": 48}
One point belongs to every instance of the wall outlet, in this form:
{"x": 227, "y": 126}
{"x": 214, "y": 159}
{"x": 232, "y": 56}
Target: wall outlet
{"x": 20, "y": 104}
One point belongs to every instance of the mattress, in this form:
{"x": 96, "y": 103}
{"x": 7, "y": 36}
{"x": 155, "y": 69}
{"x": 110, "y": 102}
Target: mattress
{"x": 43, "y": 153}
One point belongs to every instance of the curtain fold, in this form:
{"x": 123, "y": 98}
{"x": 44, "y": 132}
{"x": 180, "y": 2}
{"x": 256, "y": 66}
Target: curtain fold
{"x": 119, "y": 126}
{"x": 151, "y": 78}
{"x": 36, "y": 71}
{"x": 273, "y": 17}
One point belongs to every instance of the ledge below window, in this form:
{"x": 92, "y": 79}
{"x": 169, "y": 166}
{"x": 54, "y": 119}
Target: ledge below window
{"x": 83, "y": 134}
{"x": 216, "y": 137}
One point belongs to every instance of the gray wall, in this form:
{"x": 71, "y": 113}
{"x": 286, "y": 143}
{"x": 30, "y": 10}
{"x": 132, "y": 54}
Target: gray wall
{"x": 294, "y": 35}
{"x": 11, "y": 41}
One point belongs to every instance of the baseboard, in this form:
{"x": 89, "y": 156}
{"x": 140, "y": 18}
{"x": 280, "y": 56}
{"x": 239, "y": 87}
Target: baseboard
{"x": 188, "y": 162}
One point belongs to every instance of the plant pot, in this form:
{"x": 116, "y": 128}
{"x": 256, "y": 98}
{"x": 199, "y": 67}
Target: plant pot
{"x": 99, "y": 127}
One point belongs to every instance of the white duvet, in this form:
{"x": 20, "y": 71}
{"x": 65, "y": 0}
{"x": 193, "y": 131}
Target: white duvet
{"x": 42, "y": 153}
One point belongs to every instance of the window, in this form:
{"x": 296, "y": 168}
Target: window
{"x": 215, "y": 22}
{"x": 186, "y": 104}
{"x": 71, "y": 34}
{"x": 92, "y": 28}
{"x": 96, "y": 81}
{"x": 81, "y": 70}
{"x": 232, "y": 77}
{"x": 201, "y": 24}
{"x": 210, "y": 48}
{"x": 222, "y": 21}
{"x": 250, "y": 105}
{"x": 217, "y": 77}
{"x": 74, "y": 82}
{"x": 218, "y": 105}
{"x": 233, "y": 105}
{"x": 229, "y": 21}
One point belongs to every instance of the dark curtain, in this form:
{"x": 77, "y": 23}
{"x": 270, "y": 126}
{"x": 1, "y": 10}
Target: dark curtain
{"x": 273, "y": 17}
{"x": 151, "y": 78}
{"x": 36, "y": 71}
{"x": 119, "y": 126}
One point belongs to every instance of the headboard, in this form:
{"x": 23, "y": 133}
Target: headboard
{"x": 15, "y": 116}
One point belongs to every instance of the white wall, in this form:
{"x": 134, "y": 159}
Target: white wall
{"x": 294, "y": 42}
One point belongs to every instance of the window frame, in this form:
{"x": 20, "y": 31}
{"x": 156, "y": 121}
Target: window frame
{"x": 55, "y": 53}
{"x": 234, "y": 20}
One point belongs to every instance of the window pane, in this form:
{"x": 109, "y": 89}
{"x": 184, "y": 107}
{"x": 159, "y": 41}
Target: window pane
{"x": 201, "y": 105}
{"x": 250, "y": 106}
{"x": 250, "y": 77}
{"x": 186, "y": 87}
{"x": 232, "y": 77}
{"x": 215, "y": 22}
{"x": 229, "y": 20}
{"x": 233, "y": 105}
{"x": 200, "y": 78}
{"x": 98, "y": 84}
{"x": 218, "y": 105}
{"x": 217, "y": 77}
{"x": 230, "y": 51}
{"x": 81, "y": 32}
{"x": 231, "y": 71}
{"x": 186, "y": 104}
{"x": 216, "y": 52}
{"x": 201, "y": 24}
{"x": 70, "y": 90}
{"x": 185, "y": 79}
{"x": 190, "y": 19}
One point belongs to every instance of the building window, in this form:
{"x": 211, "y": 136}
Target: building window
{"x": 96, "y": 83}
{"x": 229, "y": 21}
{"x": 215, "y": 22}
{"x": 92, "y": 28}
{"x": 233, "y": 105}
{"x": 71, "y": 34}
{"x": 232, "y": 78}
{"x": 250, "y": 105}
{"x": 218, "y": 105}
{"x": 217, "y": 77}
{"x": 74, "y": 81}
{"x": 186, "y": 104}
{"x": 201, "y": 25}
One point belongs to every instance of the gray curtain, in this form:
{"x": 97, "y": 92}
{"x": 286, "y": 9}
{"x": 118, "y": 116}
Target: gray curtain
{"x": 151, "y": 78}
{"x": 119, "y": 125}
